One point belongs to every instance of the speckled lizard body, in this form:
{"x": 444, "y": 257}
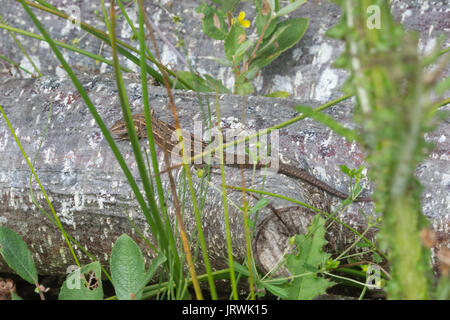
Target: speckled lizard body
{"x": 163, "y": 133}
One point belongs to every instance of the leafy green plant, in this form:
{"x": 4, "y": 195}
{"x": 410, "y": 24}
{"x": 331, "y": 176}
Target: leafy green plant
{"x": 310, "y": 267}
{"x": 305, "y": 264}
{"x": 128, "y": 274}
{"x": 127, "y": 265}
{"x": 83, "y": 283}
{"x": 128, "y": 269}
{"x": 247, "y": 56}
{"x": 394, "y": 110}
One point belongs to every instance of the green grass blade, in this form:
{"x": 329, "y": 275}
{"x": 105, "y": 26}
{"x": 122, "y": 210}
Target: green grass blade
{"x": 62, "y": 45}
{"x": 225, "y": 210}
{"x": 40, "y": 185}
{"x": 24, "y": 51}
{"x": 92, "y": 109}
{"x": 15, "y": 64}
{"x": 104, "y": 37}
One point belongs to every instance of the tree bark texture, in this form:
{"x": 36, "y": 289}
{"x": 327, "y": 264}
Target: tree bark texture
{"x": 92, "y": 197}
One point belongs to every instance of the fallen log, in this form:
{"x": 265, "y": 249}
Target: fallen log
{"x": 92, "y": 197}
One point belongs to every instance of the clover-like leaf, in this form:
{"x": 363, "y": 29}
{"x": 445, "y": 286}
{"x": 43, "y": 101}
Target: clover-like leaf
{"x": 213, "y": 21}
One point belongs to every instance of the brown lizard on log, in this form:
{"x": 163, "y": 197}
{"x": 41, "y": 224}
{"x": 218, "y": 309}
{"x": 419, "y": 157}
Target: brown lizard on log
{"x": 163, "y": 134}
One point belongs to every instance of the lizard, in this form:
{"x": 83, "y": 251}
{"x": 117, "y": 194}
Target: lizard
{"x": 163, "y": 133}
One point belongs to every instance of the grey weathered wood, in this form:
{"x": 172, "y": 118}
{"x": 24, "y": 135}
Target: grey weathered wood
{"x": 303, "y": 71}
{"x": 90, "y": 192}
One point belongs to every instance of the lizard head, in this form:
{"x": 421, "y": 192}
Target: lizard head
{"x": 119, "y": 127}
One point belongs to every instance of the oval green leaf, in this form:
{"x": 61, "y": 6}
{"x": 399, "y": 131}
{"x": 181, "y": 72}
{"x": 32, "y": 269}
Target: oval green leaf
{"x": 286, "y": 34}
{"x": 213, "y": 21}
{"x": 289, "y": 8}
{"x": 16, "y": 254}
{"x": 127, "y": 269}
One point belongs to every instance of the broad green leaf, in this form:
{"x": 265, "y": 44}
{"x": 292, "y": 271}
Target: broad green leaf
{"x": 278, "y": 290}
{"x": 16, "y": 254}
{"x": 278, "y": 94}
{"x": 244, "y": 88}
{"x": 251, "y": 73}
{"x": 337, "y": 32}
{"x": 266, "y": 45}
{"x": 264, "y": 15}
{"x": 224, "y": 62}
{"x": 243, "y": 47}
{"x": 234, "y": 39}
{"x": 350, "y": 135}
{"x": 202, "y": 85}
{"x": 286, "y": 34}
{"x": 213, "y": 21}
{"x": 341, "y": 62}
{"x": 215, "y": 85}
{"x": 270, "y": 28}
{"x": 309, "y": 257}
{"x": 272, "y": 4}
{"x": 127, "y": 269}
{"x": 248, "y": 75}
{"x": 226, "y": 5}
{"x": 289, "y": 8}
{"x": 261, "y": 21}
{"x": 156, "y": 263}
{"x": 265, "y": 6}
{"x": 239, "y": 268}
{"x": 83, "y": 284}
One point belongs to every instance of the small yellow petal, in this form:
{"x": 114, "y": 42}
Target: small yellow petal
{"x": 241, "y": 16}
{"x": 245, "y": 23}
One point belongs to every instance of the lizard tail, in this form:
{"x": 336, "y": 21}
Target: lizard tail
{"x": 301, "y": 174}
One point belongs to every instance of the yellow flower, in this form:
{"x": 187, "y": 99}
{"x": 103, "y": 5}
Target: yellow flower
{"x": 242, "y": 21}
